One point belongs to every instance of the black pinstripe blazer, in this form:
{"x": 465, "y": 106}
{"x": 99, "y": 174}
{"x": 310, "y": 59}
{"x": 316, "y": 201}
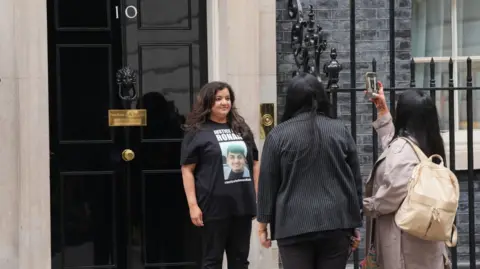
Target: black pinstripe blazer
{"x": 309, "y": 180}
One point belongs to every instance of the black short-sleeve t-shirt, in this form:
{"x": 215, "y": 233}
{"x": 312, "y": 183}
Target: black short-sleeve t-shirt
{"x": 223, "y": 172}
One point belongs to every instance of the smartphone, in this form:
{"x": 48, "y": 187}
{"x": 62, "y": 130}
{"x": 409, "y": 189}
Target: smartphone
{"x": 371, "y": 84}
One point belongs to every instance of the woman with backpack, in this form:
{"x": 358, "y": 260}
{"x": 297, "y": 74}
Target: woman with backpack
{"x": 387, "y": 186}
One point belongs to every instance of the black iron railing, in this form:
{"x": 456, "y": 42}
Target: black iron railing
{"x": 334, "y": 90}
{"x": 309, "y": 42}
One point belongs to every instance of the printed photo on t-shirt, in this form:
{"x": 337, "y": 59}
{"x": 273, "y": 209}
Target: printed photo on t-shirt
{"x": 234, "y": 156}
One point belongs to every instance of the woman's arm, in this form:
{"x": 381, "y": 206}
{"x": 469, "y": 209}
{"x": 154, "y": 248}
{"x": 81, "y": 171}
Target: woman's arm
{"x": 256, "y": 164}
{"x": 384, "y": 124}
{"x": 269, "y": 181}
{"x": 190, "y": 150}
{"x": 399, "y": 165}
{"x": 354, "y": 164}
{"x": 268, "y": 184}
{"x": 189, "y": 185}
{"x": 256, "y": 174}
{"x": 385, "y": 129}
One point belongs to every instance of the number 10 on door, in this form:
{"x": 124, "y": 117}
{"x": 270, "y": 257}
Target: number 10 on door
{"x": 131, "y": 12}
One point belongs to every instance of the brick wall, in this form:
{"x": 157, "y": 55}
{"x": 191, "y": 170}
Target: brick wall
{"x": 462, "y": 218}
{"x": 371, "y": 41}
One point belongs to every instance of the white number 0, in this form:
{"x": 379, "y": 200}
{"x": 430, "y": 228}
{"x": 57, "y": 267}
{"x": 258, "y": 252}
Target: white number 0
{"x": 127, "y": 12}
{"x": 135, "y": 12}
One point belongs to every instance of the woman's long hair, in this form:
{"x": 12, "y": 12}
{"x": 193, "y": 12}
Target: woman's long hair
{"x": 417, "y": 116}
{"x": 306, "y": 94}
{"x": 203, "y": 107}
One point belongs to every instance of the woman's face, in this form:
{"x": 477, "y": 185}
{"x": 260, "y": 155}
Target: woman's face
{"x": 222, "y": 105}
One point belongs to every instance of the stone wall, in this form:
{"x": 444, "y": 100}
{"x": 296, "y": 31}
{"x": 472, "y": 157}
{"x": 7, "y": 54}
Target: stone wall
{"x": 371, "y": 41}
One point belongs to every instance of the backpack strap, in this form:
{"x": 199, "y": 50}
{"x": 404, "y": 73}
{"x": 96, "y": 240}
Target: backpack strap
{"x": 421, "y": 156}
{"x": 452, "y": 242}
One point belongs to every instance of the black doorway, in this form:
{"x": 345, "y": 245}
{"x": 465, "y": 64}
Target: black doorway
{"x": 108, "y": 212}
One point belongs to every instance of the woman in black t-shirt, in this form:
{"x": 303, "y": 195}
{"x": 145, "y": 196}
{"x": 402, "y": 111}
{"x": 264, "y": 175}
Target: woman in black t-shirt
{"x": 220, "y": 168}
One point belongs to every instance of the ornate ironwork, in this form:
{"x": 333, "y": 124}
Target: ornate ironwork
{"x": 126, "y": 80}
{"x": 332, "y": 70}
{"x": 308, "y": 43}
{"x": 292, "y": 8}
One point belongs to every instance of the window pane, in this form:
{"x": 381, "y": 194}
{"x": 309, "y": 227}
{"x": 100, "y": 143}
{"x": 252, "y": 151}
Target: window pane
{"x": 431, "y": 28}
{"x": 468, "y": 27}
{"x": 422, "y": 77}
{"x": 462, "y": 97}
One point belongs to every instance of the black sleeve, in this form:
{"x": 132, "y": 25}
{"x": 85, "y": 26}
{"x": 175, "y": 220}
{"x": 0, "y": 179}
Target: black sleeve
{"x": 352, "y": 160}
{"x": 269, "y": 180}
{"x": 190, "y": 149}
{"x": 250, "y": 140}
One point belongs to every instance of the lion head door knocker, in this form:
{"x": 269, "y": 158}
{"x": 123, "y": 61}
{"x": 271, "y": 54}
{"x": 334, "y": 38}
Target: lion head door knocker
{"x": 126, "y": 80}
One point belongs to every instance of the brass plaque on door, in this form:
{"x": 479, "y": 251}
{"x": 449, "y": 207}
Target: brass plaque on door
{"x": 267, "y": 119}
{"x": 127, "y": 117}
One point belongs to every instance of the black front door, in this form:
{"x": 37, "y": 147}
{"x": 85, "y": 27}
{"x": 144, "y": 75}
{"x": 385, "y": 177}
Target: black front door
{"x": 109, "y": 211}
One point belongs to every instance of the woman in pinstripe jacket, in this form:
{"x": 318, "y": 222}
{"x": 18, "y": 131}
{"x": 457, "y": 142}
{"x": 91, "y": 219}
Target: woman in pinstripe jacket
{"x": 310, "y": 187}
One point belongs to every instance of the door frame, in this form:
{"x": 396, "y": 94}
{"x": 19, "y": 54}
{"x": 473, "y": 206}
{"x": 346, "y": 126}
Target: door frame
{"x": 214, "y": 43}
{"x": 217, "y": 39}
{"x": 122, "y": 22}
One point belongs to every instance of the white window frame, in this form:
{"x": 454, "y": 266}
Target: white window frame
{"x": 461, "y": 149}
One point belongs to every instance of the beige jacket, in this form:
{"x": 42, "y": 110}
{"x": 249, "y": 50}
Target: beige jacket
{"x": 385, "y": 189}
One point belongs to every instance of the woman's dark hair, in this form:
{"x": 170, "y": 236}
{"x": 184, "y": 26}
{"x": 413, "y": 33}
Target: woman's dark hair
{"x": 203, "y": 107}
{"x": 306, "y": 93}
{"x": 417, "y": 116}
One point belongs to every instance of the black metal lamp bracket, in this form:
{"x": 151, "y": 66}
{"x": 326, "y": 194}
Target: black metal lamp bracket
{"x": 292, "y": 8}
{"x": 308, "y": 41}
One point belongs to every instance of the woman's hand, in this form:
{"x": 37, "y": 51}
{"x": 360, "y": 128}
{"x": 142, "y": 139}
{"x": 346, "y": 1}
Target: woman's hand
{"x": 357, "y": 238}
{"x": 196, "y": 215}
{"x": 379, "y": 100}
{"x": 263, "y": 235}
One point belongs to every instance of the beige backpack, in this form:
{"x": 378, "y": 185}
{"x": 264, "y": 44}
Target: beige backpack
{"x": 429, "y": 210}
